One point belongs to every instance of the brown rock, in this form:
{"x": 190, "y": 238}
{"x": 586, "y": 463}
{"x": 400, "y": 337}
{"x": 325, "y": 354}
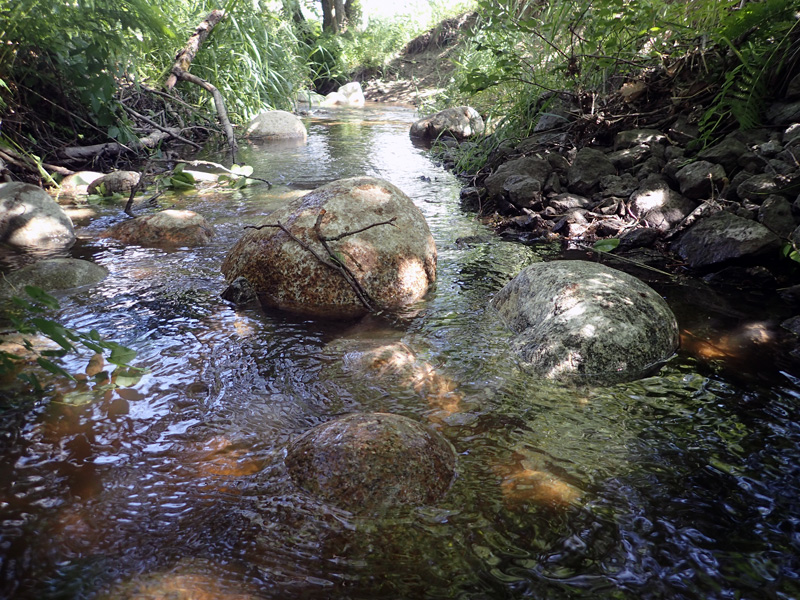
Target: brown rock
{"x": 369, "y": 461}
{"x": 167, "y": 228}
{"x": 391, "y": 254}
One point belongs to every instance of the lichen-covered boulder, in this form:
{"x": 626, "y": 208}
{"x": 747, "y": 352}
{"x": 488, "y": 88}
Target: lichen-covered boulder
{"x": 164, "y": 228}
{"x": 117, "y": 182}
{"x": 30, "y": 218}
{"x": 578, "y": 319}
{"x": 380, "y": 256}
{"x": 276, "y": 125}
{"x": 53, "y": 274}
{"x": 367, "y": 462}
{"x": 459, "y": 122}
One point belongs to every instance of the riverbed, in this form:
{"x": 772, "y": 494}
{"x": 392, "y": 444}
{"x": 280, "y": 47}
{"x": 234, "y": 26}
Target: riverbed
{"x": 681, "y": 485}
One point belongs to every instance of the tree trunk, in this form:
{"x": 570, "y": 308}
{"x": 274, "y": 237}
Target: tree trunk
{"x": 328, "y": 22}
{"x": 184, "y": 58}
{"x": 339, "y": 15}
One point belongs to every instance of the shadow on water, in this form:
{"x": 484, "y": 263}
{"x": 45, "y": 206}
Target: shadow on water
{"x": 681, "y": 485}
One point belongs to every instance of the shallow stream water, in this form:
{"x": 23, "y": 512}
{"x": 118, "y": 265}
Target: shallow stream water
{"x": 681, "y": 485}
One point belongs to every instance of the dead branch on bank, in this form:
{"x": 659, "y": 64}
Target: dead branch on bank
{"x": 180, "y": 72}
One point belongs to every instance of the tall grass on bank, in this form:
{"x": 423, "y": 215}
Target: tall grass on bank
{"x": 523, "y": 50}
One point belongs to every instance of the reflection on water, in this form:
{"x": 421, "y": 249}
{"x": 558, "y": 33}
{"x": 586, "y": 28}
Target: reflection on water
{"x": 681, "y": 485}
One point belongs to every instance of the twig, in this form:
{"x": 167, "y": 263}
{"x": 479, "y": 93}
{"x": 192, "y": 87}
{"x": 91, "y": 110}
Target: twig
{"x": 625, "y": 259}
{"x": 161, "y": 128}
{"x": 336, "y": 266}
{"x": 348, "y": 233}
{"x": 335, "y": 262}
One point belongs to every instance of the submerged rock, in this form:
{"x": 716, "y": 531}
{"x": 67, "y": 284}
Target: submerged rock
{"x": 582, "y": 319}
{"x": 372, "y": 228}
{"x": 276, "y": 125}
{"x": 363, "y": 462}
{"x": 459, "y": 122}
{"x": 30, "y": 218}
{"x": 166, "y": 227}
{"x": 53, "y": 274}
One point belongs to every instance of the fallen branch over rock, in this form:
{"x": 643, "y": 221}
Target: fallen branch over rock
{"x": 180, "y": 71}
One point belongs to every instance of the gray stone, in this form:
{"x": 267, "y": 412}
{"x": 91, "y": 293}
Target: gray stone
{"x": 523, "y": 192}
{"x": 276, "y": 125}
{"x": 776, "y": 215}
{"x": 640, "y": 237}
{"x": 784, "y": 113}
{"x": 660, "y": 206}
{"x": 724, "y": 237}
{"x": 652, "y": 166}
{"x": 683, "y": 132}
{"x": 792, "y": 134}
{"x": 638, "y": 137}
{"x": 726, "y": 153}
{"x": 628, "y": 158}
{"x": 390, "y": 256}
{"x": 564, "y": 202}
{"x": 459, "y": 122}
{"x": 589, "y": 166}
{"x": 618, "y": 185}
{"x": 53, "y": 274}
{"x": 528, "y": 166}
{"x": 757, "y": 188}
{"x": 582, "y": 319}
{"x": 371, "y": 462}
{"x": 30, "y": 218}
{"x": 117, "y": 182}
{"x": 700, "y": 179}
{"x": 752, "y": 162}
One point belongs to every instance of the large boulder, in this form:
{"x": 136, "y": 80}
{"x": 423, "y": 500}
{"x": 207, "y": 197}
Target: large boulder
{"x": 368, "y": 462}
{"x": 724, "y": 237}
{"x": 578, "y": 319}
{"x": 30, "y": 218}
{"x": 459, "y": 122}
{"x": 276, "y": 125}
{"x": 164, "y": 228}
{"x": 371, "y": 228}
{"x": 53, "y": 274}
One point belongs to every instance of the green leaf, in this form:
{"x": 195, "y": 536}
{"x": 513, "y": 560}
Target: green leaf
{"x": 128, "y": 377}
{"x": 121, "y": 356}
{"x": 606, "y": 245}
{"x": 31, "y": 380}
{"x": 41, "y": 296}
{"x": 53, "y": 368}
{"x": 54, "y": 331}
{"x": 795, "y": 255}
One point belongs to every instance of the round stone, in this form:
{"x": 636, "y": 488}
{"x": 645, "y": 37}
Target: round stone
{"x": 369, "y": 461}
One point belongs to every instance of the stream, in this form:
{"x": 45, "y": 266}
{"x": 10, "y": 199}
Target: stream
{"x": 681, "y": 485}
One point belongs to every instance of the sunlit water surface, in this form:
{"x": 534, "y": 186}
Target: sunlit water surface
{"x": 683, "y": 485}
